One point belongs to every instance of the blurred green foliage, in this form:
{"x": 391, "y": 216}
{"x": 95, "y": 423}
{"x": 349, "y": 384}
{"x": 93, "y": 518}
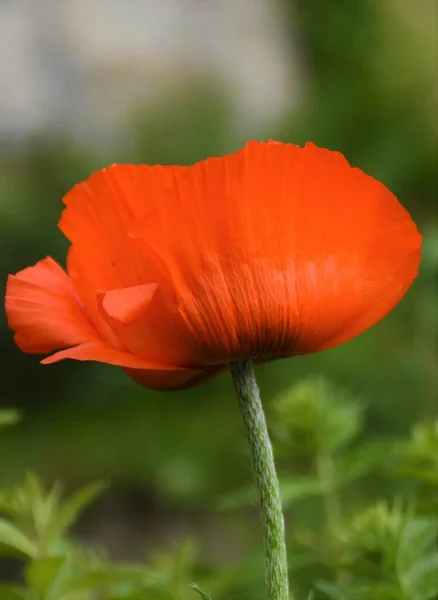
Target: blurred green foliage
{"x": 357, "y": 476}
{"x": 386, "y": 549}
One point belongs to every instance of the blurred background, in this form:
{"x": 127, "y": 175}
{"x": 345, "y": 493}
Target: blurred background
{"x": 85, "y": 83}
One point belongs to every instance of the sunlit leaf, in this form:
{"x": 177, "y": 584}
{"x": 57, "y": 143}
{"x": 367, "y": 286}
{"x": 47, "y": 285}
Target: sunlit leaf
{"x": 422, "y": 579}
{"x": 43, "y": 504}
{"x": 419, "y": 535}
{"x": 71, "y": 508}
{"x": 9, "y": 416}
{"x": 43, "y": 575}
{"x": 199, "y": 591}
{"x": 12, "y": 539}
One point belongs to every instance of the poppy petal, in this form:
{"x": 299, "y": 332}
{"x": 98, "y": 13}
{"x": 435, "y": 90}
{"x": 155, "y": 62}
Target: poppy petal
{"x": 146, "y": 321}
{"x": 279, "y": 250}
{"x": 127, "y": 304}
{"x": 173, "y": 380}
{"x": 44, "y": 311}
{"x": 101, "y": 352}
{"x": 99, "y": 214}
{"x": 80, "y": 272}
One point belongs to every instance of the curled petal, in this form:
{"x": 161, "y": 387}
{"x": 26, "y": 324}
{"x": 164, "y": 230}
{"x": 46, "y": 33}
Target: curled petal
{"x": 46, "y": 315}
{"x": 97, "y": 220}
{"x": 101, "y": 352}
{"x": 146, "y": 321}
{"x": 44, "y": 311}
{"x": 127, "y": 304}
{"x": 147, "y": 373}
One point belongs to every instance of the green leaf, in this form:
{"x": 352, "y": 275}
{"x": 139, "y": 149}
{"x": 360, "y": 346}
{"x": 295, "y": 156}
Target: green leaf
{"x": 43, "y": 505}
{"x": 422, "y": 579}
{"x": 70, "y": 510}
{"x": 199, "y": 591}
{"x": 314, "y": 417}
{"x": 360, "y": 461}
{"x": 418, "y": 537}
{"x": 238, "y": 498}
{"x": 220, "y": 583}
{"x": 6, "y": 507}
{"x": 9, "y": 417}
{"x": 298, "y": 488}
{"x": 43, "y": 575}
{"x": 291, "y": 489}
{"x": 10, "y": 592}
{"x": 417, "y": 457}
{"x": 334, "y": 591}
{"x": 12, "y": 539}
{"x": 109, "y": 576}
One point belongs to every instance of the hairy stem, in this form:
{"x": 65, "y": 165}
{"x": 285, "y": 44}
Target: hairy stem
{"x": 266, "y": 479}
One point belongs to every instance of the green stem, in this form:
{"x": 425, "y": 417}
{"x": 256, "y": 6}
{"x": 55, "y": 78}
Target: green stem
{"x": 265, "y": 475}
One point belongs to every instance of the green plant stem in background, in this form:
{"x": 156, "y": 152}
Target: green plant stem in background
{"x": 263, "y": 465}
{"x": 327, "y": 476}
{"x": 332, "y": 507}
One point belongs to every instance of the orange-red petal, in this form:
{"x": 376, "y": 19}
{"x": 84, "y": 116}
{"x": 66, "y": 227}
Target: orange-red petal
{"x": 99, "y": 214}
{"x": 278, "y": 250}
{"x": 146, "y": 321}
{"x": 173, "y": 380}
{"x": 126, "y": 305}
{"x": 101, "y": 352}
{"x": 43, "y": 309}
{"x": 46, "y": 315}
{"x": 97, "y": 219}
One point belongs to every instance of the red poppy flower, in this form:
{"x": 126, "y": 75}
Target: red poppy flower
{"x": 173, "y": 272}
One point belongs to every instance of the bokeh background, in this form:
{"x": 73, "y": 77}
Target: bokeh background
{"x": 85, "y": 83}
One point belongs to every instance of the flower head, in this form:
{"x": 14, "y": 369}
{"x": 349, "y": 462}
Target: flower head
{"x": 173, "y": 272}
